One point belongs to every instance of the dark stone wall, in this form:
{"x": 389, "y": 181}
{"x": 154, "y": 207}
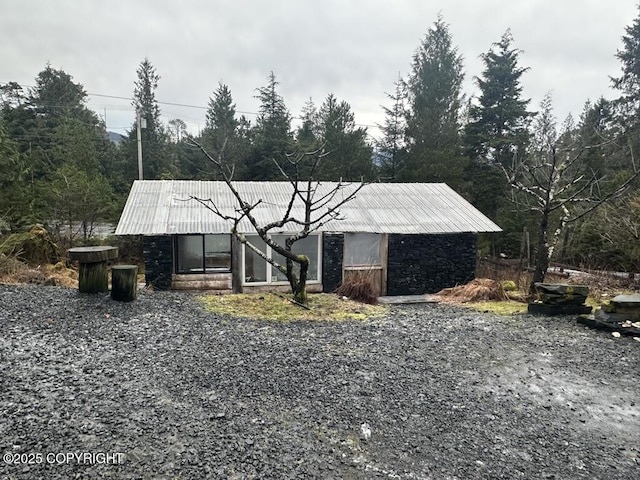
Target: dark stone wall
{"x": 158, "y": 261}
{"x": 332, "y": 246}
{"x": 420, "y": 264}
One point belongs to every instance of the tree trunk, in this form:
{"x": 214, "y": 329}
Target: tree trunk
{"x": 299, "y": 284}
{"x": 300, "y": 295}
{"x": 542, "y": 253}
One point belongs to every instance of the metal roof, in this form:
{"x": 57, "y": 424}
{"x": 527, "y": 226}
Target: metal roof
{"x": 165, "y": 207}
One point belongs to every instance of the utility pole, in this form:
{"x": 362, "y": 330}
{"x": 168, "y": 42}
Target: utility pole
{"x": 139, "y": 126}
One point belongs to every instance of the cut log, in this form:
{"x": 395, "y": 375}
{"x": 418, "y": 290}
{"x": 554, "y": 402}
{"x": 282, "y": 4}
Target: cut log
{"x": 93, "y": 254}
{"x": 92, "y": 278}
{"x": 93, "y": 267}
{"x": 124, "y": 282}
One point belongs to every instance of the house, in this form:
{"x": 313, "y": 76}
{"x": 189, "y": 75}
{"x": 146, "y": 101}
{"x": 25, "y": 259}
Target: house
{"x": 413, "y": 238}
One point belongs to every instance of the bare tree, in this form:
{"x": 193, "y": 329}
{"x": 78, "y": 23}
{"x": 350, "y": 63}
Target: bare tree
{"x": 553, "y": 182}
{"x": 310, "y": 206}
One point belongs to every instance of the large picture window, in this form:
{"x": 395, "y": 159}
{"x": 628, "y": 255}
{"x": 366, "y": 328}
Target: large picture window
{"x": 258, "y": 270}
{"x": 203, "y": 253}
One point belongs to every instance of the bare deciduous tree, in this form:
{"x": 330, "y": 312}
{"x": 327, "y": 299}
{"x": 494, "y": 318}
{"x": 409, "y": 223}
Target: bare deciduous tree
{"x": 554, "y": 183}
{"x": 310, "y": 206}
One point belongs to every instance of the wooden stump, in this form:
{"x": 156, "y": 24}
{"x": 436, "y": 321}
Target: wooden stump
{"x": 92, "y": 278}
{"x": 124, "y": 282}
{"x": 93, "y": 267}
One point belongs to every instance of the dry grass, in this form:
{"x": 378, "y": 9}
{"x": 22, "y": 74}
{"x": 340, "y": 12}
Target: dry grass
{"x": 58, "y": 275}
{"x": 480, "y": 289}
{"x": 272, "y": 306}
{"x": 602, "y": 287}
{"x": 503, "y": 270}
{"x": 359, "y": 287}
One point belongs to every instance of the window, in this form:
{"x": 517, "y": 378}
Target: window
{"x": 203, "y": 253}
{"x": 217, "y": 253}
{"x": 258, "y": 270}
{"x": 255, "y": 268}
{"x": 307, "y": 246}
{"x": 362, "y": 249}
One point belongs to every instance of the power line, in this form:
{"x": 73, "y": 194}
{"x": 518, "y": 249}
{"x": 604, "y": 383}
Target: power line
{"x": 174, "y": 104}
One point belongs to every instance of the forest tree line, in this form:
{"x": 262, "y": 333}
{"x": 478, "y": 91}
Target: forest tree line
{"x": 512, "y": 160}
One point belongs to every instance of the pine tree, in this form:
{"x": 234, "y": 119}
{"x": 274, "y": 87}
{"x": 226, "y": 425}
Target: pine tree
{"x": 391, "y": 149}
{"x": 307, "y": 134}
{"x": 498, "y": 126}
{"x": 56, "y": 95}
{"x": 155, "y": 152}
{"x": 348, "y": 156}
{"x": 434, "y": 105}
{"x": 272, "y": 137}
{"x": 629, "y": 82}
{"x": 222, "y": 135}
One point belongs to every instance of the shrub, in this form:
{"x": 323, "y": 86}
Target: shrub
{"x": 509, "y": 286}
{"x": 35, "y": 246}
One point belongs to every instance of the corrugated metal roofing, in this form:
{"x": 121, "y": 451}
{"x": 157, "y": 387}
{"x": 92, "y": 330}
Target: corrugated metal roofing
{"x": 161, "y": 207}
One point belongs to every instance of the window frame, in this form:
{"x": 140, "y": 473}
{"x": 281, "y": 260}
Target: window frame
{"x": 269, "y": 267}
{"x": 204, "y": 270}
{"x": 380, "y": 241}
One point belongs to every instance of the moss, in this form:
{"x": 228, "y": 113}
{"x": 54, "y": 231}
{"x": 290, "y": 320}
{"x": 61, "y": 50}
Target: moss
{"x": 271, "y": 306}
{"x": 505, "y": 308}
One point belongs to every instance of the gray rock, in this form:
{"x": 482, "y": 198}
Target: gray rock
{"x": 441, "y": 387}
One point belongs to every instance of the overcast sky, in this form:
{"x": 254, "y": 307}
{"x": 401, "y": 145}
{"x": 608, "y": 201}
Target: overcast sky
{"x": 354, "y": 49}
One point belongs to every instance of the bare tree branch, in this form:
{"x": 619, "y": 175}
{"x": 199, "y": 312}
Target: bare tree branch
{"x": 316, "y": 211}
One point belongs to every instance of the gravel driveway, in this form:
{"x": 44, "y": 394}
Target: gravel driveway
{"x": 159, "y": 388}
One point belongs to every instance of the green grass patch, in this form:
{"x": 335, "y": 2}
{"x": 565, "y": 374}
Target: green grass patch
{"x": 506, "y": 308}
{"x": 273, "y": 306}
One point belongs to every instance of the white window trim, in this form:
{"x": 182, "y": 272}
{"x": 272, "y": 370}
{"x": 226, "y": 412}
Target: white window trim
{"x": 270, "y": 267}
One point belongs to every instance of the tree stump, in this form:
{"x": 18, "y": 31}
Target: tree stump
{"x": 124, "y": 282}
{"x": 93, "y": 267}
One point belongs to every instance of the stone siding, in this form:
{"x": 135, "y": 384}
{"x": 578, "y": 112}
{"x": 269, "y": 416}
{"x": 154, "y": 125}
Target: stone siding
{"x": 158, "y": 261}
{"x": 332, "y": 246}
{"x": 419, "y": 264}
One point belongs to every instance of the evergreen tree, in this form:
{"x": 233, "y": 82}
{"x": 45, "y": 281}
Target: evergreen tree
{"x": 272, "y": 137}
{"x": 434, "y": 105}
{"x": 13, "y": 182}
{"x": 391, "y": 149}
{"x": 497, "y": 129}
{"x": 347, "y": 154}
{"x": 629, "y": 82}
{"x": 155, "y": 152}
{"x": 52, "y": 130}
{"x": 55, "y": 95}
{"x": 498, "y": 124}
{"x": 222, "y": 135}
{"x": 628, "y": 105}
{"x": 307, "y": 134}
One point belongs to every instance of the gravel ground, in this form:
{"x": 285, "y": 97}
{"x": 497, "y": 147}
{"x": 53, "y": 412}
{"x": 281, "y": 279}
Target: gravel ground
{"x": 159, "y": 388}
